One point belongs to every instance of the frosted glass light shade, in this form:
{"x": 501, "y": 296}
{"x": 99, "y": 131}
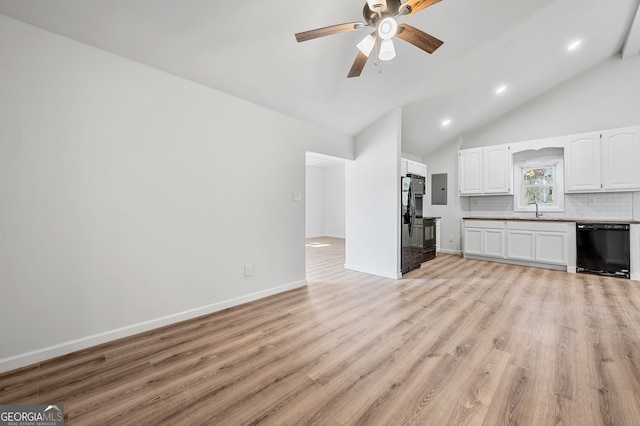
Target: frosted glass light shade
{"x": 366, "y": 45}
{"x": 387, "y": 28}
{"x": 387, "y": 51}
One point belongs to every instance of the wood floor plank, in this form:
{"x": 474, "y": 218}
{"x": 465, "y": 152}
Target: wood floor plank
{"x": 454, "y": 342}
{"x": 515, "y": 399}
{"x": 482, "y": 377}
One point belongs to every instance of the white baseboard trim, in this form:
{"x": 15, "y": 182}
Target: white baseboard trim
{"x": 335, "y": 236}
{"x": 449, "y": 251}
{"x": 39, "y": 355}
{"x": 635, "y": 277}
{"x": 517, "y": 262}
{"x": 308, "y": 237}
{"x": 385, "y": 274}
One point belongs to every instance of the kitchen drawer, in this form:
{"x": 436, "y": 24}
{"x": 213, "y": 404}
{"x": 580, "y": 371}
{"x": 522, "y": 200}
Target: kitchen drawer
{"x": 539, "y": 226}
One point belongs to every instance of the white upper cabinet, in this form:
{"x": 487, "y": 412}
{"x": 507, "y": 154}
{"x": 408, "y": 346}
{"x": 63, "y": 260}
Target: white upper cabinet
{"x": 498, "y": 170}
{"x": 470, "y": 171}
{"x": 599, "y": 161}
{"x": 410, "y": 167}
{"x": 603, "y": 161}
{"x": 582, "y": 163}
{"x": 621, "y": 159}
{"x": 485, "y": 171}
{"x": 415, "y": 168}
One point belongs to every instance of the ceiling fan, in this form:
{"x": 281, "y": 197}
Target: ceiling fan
{"x": 381, "y": 15}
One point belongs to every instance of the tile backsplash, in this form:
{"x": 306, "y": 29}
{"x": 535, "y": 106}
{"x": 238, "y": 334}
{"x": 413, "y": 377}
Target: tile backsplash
{"x": 613, "y": 205}
{"x": 609, "y": 206}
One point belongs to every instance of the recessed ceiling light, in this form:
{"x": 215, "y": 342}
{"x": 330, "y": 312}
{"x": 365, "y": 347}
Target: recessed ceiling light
{"x": 574, "y": 45}
{"x": 501, "y": 89}
{"x": 446, "y": 122}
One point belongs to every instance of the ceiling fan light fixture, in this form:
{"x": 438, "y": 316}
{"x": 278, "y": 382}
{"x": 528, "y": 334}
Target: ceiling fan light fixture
{"x": 366, "y": 45}
{"x": 387, "y": 28}
{"x": 379, "y": 15}
{"x": 387, "y": 51}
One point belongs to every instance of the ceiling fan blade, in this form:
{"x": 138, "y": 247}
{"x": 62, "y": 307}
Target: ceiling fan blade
{"x": 413, "y": 6}
{"x": 358, "y": 65}
{"x": 326, "y": 31}
{"x": 418, "y": 38}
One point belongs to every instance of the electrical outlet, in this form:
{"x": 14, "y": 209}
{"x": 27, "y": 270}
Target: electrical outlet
{"x": 592, "y": 200}
{"x": 248, "y": 270}
{"x": 450, "y": 238}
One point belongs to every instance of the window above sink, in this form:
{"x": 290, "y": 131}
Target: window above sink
{"x": 539, "y": 180}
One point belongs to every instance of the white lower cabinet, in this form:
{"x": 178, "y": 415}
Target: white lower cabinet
{"x": 522, "y": 245}
{"x": 551, "y": 247}
{"x": 536, "y": 243}
{"x": 494, "y": 242}
{"x": 473, "y": 241}
{"x": 484, "y": 238}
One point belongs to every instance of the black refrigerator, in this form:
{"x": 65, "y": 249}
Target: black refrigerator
{"x": 412, "y": 230}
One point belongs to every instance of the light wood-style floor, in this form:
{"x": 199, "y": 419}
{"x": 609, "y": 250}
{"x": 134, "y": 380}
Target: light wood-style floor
{"x": 455, "y": 342}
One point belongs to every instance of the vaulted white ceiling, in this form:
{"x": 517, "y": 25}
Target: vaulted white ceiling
{"x": 248, "y": 49}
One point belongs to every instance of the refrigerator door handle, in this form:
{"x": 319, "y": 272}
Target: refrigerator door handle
{"x": 406, "y": 207}
{"x": 412, "y": 210}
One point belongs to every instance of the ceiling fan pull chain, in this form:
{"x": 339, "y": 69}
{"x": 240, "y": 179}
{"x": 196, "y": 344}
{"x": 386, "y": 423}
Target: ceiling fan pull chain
{"x": 378, "y": 66}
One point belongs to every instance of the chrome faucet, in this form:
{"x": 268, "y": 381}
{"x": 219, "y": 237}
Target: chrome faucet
{"x": 538, "y": 213}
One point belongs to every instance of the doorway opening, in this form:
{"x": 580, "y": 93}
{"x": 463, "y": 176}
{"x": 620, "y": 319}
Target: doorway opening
{"x": 324, "y": 205}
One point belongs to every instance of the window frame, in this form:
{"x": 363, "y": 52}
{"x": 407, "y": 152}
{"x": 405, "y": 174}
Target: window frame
{"x": 518, "y": 187}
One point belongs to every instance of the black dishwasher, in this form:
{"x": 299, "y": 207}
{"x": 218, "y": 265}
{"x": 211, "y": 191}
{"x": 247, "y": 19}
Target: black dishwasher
{"x": 603, "y": 249}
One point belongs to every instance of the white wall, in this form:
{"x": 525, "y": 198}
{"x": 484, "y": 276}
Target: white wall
{"x": 373, "y": 199}
{"x": 411, "y": 157}
{"x": 445, "y": 160}
{"x": 603, "y": 97}
{"x": 325, "y": 208}
{"x": 315, "y": 190}
{"x": 335, "y": 201}
{"x": 130, "y": 198}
